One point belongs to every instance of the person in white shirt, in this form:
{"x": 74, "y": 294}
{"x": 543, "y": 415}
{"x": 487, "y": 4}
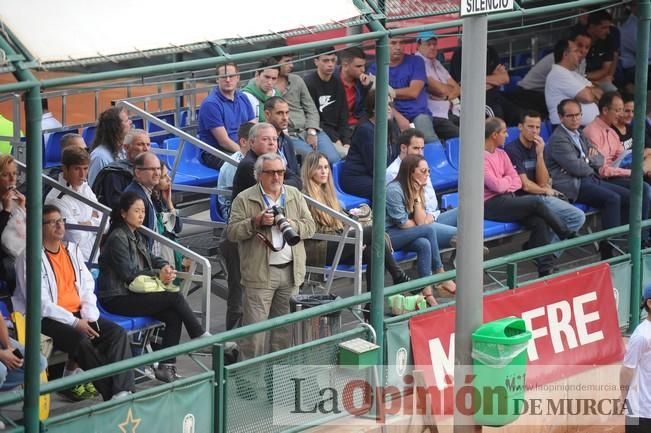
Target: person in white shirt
{"x": 48, "y": 121}
{"x": 442, "y": 90}
{"x": 563, "y": 82}
{"x": 75, "y": 162}
{"x": 412, "y": 142}
{"x": 635, "y": 374}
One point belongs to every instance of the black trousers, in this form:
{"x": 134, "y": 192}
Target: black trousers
{"x": 231, "y": 256}
{"x": 638, "y": 425}
{"x": 170, "y": 308}
{"x": 112, "y": 345}
{"x": 530, "y": 211}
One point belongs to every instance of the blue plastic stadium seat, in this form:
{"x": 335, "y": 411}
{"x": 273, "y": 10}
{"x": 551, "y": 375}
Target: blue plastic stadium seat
{"x": 513, "y": 82}
{"x": 546, "y": 130}
{"x": 215, "y": 214}
{"x": 348, "y": 201}
{"x": 403, "y": 256}
{"x": 159, "y": 133}
{"x": 443, "y": 175}
{"x": 88, "y": 133}
{"x": 190, "y": 165}
{"x": 491, "y": 228}
{"x": 452, "y": 150}
{"x": 137, "y": 123}
{"x": 513, "y": 133}
{"x": 52, "y": 149}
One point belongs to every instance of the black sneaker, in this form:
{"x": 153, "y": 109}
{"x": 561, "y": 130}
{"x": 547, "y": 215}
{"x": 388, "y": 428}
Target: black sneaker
{"x": 166, "y": 373}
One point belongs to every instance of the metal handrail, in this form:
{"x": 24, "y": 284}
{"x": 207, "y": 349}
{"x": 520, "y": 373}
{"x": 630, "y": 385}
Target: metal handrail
{"x": 331, "y": 307}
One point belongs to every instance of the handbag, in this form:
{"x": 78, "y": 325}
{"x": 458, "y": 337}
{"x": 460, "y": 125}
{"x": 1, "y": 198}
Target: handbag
{"x": 363, "y": 214}
{"x": 148, "y": 284}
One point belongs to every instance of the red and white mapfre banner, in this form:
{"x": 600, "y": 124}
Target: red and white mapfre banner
{"x": 573, "y": 319}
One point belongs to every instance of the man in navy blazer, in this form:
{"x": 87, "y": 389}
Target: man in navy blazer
{"x": 146, "y": 175}
{"x": 573, "y": 163}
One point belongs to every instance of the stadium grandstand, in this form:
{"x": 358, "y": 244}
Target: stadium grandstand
{"x": 300, "y": 221}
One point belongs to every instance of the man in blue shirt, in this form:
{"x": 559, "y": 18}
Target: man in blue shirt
{"x": 222, "y": 113}
{"x": 407, "y": 77}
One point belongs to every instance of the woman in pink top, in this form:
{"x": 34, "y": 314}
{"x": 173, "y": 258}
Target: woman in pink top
{"x": 505, "y": 201}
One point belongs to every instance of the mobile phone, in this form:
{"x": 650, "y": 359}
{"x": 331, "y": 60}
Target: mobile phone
{"x": 18, "y": 354}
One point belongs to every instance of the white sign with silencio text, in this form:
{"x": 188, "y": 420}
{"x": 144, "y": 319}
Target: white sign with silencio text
{"x": 475, "y": 7}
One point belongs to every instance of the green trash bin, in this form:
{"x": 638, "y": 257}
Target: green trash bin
{"x": 499, "y": 354}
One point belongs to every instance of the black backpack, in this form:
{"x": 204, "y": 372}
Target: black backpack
{"x": 112, "y": 180}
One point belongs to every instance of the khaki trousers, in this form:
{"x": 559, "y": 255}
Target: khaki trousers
{"x": 262, "y": 304}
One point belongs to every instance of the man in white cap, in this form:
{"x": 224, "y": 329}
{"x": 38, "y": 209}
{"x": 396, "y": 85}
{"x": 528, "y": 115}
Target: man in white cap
{"x": 635, "y": 375}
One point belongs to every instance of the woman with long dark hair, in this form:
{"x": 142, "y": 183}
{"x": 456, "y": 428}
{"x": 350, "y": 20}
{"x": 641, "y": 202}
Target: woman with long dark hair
{"x": 318, "y": 184}
{"x": 407, "y": 222}
{"x": 112, "y": 127}
{"x": 124, "y": 256}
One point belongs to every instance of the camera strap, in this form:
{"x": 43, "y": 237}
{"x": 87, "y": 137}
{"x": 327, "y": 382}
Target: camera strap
{"x": 268, "y": 243}
{"x": 260, "y": 235}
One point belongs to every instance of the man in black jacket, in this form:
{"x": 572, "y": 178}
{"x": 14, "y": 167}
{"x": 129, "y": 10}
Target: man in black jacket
{"x": 330, "y": 99}
{"x": 276, "y": 111}
{"x": 115, "y": 177}
{"x": 263, "y": 139}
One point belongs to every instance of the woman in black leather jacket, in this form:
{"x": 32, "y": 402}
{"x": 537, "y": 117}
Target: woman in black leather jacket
{"x": 124, "y": 256}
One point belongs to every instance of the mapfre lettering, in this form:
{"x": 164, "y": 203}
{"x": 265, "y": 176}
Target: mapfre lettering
{"x": 564, "y": 323}
{"x": 486, "y": 6}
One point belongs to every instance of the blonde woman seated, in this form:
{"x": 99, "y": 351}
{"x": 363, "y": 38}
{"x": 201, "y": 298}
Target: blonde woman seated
{"x": 410, "y": 227}
{"x": 318, "y": 184}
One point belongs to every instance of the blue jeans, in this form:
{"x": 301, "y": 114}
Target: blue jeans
{"x": 572, "y": 216}
{"x": 424, "y": 123}
{"x": 446, "y": 227}
{"x": 421, "y": 240}
{"x": 10, "y": 379}
{"x": 323, "y": 145}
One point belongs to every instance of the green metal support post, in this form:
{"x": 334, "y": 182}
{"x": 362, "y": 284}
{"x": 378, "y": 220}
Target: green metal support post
{"x": 639, "y": 121}
{"x": 34, "y": 247}
{"x": 379, "y": 203}
{"x": 34, "y": 113}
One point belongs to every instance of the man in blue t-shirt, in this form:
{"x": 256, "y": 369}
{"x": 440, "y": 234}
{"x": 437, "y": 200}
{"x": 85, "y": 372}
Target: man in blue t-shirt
{"x": 222, "y": 113}
{"x": 407, "y": 77}
{"x": 526, "y": 154}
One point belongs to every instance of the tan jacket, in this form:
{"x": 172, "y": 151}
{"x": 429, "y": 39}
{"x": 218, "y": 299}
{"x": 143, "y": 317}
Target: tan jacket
{"x": 254, "y": 255}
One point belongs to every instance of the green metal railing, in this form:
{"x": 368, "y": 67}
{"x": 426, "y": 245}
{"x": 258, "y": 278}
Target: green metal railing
{"x": 380, "y": 34}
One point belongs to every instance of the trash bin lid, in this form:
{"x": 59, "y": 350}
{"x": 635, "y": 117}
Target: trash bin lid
{"x": 509, "y": 330}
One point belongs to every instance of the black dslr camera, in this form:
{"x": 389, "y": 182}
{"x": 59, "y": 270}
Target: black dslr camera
{"x": 289, "y": 234}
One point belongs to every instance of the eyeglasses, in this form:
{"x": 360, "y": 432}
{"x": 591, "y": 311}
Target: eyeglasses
{"x": 54, "y": 223}
{"x": 149, "y": 168}
{"x": 274, "y": 172}
{"x": 573, "y": 115}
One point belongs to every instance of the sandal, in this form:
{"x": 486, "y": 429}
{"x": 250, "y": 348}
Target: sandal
{"x": 429, "y": 296}
{"x": 446, "y": 289}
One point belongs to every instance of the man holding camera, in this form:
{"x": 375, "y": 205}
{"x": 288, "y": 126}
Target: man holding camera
{"x": 69, "y": 308}
{"x": 526, "y": 154}
{"x": 269, "y": 221}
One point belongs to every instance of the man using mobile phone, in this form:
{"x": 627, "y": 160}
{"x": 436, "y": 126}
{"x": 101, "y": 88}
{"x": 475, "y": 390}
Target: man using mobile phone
{"x": 69, "y": 308}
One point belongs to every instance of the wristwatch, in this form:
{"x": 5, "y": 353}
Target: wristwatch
{"x": 311, "y": 132}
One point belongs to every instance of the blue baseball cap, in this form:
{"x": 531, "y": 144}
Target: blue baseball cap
{"x": 646, "y": 293}
{"x": 426, "y": 36}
